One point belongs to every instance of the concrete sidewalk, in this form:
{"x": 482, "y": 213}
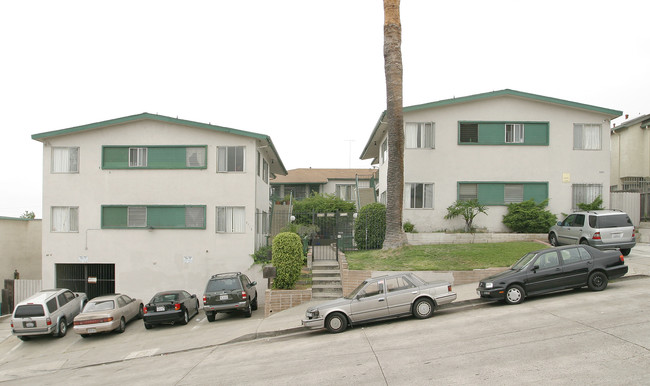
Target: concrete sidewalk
{"x": 289, "y": 321}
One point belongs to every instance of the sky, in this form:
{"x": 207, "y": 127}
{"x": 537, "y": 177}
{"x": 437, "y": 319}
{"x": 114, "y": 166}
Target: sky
{"x": 308, "y": 73}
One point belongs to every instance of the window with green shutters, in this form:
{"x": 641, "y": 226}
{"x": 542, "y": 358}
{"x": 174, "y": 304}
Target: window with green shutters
{"x": 502, "y": 193}
{"x": 153, "y": 216}
{"x": 503, "y": 133}
{"x": 154, "y": 157}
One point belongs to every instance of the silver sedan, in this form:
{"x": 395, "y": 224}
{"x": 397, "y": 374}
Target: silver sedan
{"x": 379, "y": 298}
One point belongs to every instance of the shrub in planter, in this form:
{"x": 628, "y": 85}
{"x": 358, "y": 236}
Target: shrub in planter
{"x": 529, "y": 217}
{"x": 287, "y": 259}
{"x": 370, "y": 226}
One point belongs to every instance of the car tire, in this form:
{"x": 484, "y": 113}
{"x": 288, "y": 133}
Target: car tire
{"x": 597, "y": 281}
{"x": 626, "y": 251}
{"x": 186, "y": 318}
{"x": 248, "y": 311}
{"x": 61, "y": 328}
{"x": 552, "y": 239}
{"x": 336, "y": 322}
{"x": 584, "y": 242}
{"x": 120, "y": 329}
{"x": 254, "y": 305}
{"x": 148, "y": 326}
{"x": 423, "y": 308}
{"x": 210, "y": 316}
{"x": 514, "y": 294}
{"x": 141, "y": 312}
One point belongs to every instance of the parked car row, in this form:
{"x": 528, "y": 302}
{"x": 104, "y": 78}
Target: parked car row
{"x": 51, "y": 312}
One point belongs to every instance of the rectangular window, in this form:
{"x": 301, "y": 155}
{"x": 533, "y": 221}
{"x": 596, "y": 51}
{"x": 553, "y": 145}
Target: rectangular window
{"x": 514, "y": 133}
{"x": 585, "y": 194}
{"x": 137, "y": 216}
{"x": 194, "y": 217}
{"x": 138, "y": 157}
{"x": 195, "y": 157}
{"x": 586, "y": 136}
{"x": 265, "y": 171}
{"x": 65, "y": 160}
{"x": 153, "y": 217}
{"x": 467, "y": 192}
{"x": 346, "y": 192}
{"x": 513, "y": 193}
{"x": 257, "y": 164}
{"x": 383, "y": 154}
{"x": 419, "y": 196}
{"x": 65, "y": 219}
{"x": 382, "y": 198}
{"x": 231, "y": 219}
{"x": 419, "y": 135}
{"x": 468, "y": 132}
{"x": 230, "y": 158}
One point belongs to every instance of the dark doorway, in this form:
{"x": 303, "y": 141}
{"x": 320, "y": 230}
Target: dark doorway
{"x": 93, "y": 279}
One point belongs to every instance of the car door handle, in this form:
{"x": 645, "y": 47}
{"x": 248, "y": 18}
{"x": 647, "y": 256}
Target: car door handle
{"x": 381, "y": 299}
{"x": 414, "y": 292}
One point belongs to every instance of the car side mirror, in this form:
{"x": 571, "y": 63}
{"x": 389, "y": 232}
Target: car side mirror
{"x": 193, "y": 296}
{"x": 535, "y": 267}
{"x": 252, "y": 284}
{"x": 76, "y": 295}
{"x": 559, "y": 223}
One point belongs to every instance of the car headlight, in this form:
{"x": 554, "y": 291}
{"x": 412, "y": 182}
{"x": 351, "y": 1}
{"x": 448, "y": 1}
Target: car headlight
{"x": 311, "y": 313}
{"x": 489, "y": 284}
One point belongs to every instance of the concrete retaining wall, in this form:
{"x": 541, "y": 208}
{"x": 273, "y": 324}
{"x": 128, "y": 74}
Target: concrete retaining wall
{"x": 469, "y": 238}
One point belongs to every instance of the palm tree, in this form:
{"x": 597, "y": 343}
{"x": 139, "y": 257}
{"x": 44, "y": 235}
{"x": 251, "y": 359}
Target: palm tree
{"x": 395, "y": 236}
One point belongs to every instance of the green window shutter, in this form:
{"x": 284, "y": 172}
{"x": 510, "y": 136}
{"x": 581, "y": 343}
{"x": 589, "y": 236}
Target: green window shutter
{"x": 166, "y": 158}
{"x": 491, "y": 133}
{"x": 115, "y": 157}
{"x": 114, "y": 217}
{"x": 538, "y": 192}
{"x": 490, "y": 193}
{"x": 166, "y": 216}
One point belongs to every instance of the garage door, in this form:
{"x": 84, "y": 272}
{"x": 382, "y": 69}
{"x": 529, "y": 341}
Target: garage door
{"x": 93, "y": 279}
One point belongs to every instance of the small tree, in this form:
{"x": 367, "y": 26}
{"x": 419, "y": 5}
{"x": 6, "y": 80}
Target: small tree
{"x": 28, "y": 215}
{"x": 596, "y": 204}
{"x": 468, "y": 210}
{"x": 370, "y": 226}
{"x": 286, "y": 257}
{"x": 529, "y": 217}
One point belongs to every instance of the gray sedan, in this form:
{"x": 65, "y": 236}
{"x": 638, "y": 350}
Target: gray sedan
{"x": 379, "y": 298}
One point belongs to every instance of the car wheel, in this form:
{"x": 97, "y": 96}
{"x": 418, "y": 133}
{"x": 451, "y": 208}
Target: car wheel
{"x": 423, "y": 308}
{"x": 254, "y": 305}
{"x": 210, "y": 316}
{"x": 23, "y": 338}
{"x": 597, "y": 281}
{"x": 62, "y": 328}
{"x": 120, "y": 329}
{"x": 515, "y": 294}
{"x": 626, "y": 251}
{"x": 148, "y": 326}
{"x": 552, "y": 239}
{"x": 584, "y": 242}
{"x": 336, "y": 322}
{"x": 186, "y": 318}
{"x": 248, "y": 311}
{"x": 141, "y": 312}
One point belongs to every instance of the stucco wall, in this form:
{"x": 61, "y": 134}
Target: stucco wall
{"x": 20, "y": 248}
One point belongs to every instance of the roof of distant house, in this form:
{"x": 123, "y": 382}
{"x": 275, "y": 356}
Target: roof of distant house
{"x": 322, "y": 176}
{"x": 643, "y": 120}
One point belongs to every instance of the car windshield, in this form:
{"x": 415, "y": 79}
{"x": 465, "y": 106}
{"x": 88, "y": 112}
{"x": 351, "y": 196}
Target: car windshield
{"x": 356, "y": 290}
{"x": 103, "y": 305}
{"x": 164, "y": 297}
{"x": 524, "y": 261}
{"x": 228, "y": 284}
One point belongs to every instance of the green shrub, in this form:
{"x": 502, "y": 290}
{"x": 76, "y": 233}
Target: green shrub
{"x": 370, "y": 226}
{"x": 596, "y": 204}
{"x": 529, "y": 217}
{"x": 409, "y": 228}
{"x": 319, "y": 203}
{"x": 287, "y": 259}
{"x": 262, "y": 255}
{"x": 468, "y": 210}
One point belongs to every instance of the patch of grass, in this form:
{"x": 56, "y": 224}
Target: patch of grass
{"x": 441, "y": 257}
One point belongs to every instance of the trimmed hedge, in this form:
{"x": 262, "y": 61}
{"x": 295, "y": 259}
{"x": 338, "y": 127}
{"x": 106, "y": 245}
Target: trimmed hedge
{"x": 370, "y": 227}
{"x": 287, "y": 259}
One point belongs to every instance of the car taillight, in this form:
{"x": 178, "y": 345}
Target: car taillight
{"x": 12, "y": 324}
{"x": 449, "y": 288}
{"x": 633, "y": 231}
{"x": 622, "y": 258}
{"x": 243, "y": 295}
{"x": 205, "y": 299}
{"x": 177, "y": 306}
{"x": 48, "y": 321}
{"x": 144, "y": 310}
{"x": 93, "y": 321}
{"x": 596, "y": 236}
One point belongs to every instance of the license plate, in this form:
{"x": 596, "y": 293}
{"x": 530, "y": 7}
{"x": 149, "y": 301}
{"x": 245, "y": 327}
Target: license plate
{"x": 223, "y": 297}
{"x": 30, "y": 324}
{"x": 617, "y": 235}
{"x": 91, "y": 330}
{"x": 160, "y": 308}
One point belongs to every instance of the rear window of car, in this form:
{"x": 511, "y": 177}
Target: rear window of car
{"x": 225, "y": 284}
{"x": 165, "y": 297}
{"x": 610, "y": 221}
{"x": 29, "y": 311}
{"x": 103, "y": 305}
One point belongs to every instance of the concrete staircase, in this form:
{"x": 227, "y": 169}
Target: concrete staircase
{"x": 366, "y": 196}
{"x": 326, "y": 280}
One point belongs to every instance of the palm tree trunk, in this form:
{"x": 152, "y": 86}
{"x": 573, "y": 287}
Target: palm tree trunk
{"x": 395, "y": 236}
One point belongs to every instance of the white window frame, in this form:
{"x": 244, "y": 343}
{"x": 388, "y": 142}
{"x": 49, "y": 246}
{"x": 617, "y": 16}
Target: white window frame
{"x": 136, "y": 216}
{"x": 587, "y": 136}
{"x": 514, "y": 133}
{"x": 411, "y": 192}
{"x": 222, "y": 159}
{"x": 195, "y": 157}
{"x": 230, "y": 219}
{"x": 138, "y": 157}
{"x": 65, "y": 219}
{"x": 265, "y": 170}
{"x": 346, "y": 192}
{"x": 383, "y": 151}
{"x": 65, "y": 160}
{"x": 585, "y": 193}
{"x": 419, "y": 135}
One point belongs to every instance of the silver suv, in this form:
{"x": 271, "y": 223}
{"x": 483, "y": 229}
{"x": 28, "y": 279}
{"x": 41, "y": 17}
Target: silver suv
{"x": 47, "y": 312}
{"x": 602, "y": 229}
